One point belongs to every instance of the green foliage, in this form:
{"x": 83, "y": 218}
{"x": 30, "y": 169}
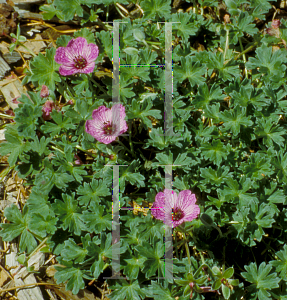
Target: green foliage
{"x": 261, "y": 280}
{"x": 43, "y": 69}
{"x": 227, "y": 146}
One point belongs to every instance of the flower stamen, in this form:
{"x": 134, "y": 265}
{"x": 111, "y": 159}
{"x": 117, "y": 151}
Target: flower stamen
{"x": 177, "y": 214}
{"x": 80, "y": 62}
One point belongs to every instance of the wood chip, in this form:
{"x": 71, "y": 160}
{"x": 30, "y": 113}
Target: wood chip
{"x": 34, "y": 46}
{"x": 3, "y": 277}
{"x": 12, "y": 91}
{"x": 9, "y": 57}
{"x": 4, "y": 67}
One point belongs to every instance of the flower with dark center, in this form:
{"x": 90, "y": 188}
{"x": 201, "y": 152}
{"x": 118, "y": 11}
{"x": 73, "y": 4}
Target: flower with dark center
{"x": 77, "y": 57}
{"x": 80, "y": 62}
{"x": 175, "y": 209}
{"x": 107, "y": 124}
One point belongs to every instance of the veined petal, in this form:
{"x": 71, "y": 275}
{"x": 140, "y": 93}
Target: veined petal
{"x": 67, "y": 70}
{"x": 92, "y": 52}
{"x": 61, "y": 56}
{"x": 78, "y": 46}
{"x": 88, "y": 69}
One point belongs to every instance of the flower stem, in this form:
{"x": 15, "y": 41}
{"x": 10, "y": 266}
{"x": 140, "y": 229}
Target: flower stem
{"x": 7, "y": 116}
{"x": 121, "y": 143}
{"x": 187, "y": 249}
{"x": 130, "y": 138}
{"x": 30, "y": 51}
{"x": 100, "y": 88}
{"x": 244, "y": 57}
{"x": 226, "y": 43}
{"x": 176, "y": 244}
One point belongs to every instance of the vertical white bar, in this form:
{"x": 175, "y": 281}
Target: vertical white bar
{"x": 168, "y": 114}
{"x": 168, "y": 231}
{"x": 116, "y": 226}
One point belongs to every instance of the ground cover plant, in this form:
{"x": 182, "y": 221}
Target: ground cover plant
{"x": 227, "y": 157}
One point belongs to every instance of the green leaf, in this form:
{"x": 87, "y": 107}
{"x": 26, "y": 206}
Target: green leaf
{"x": 43, "y": 69}
{"x": 62, "y": 123}
{"x": 234, "y": 119}
{"x": 216, "y": 271}
{"x": 215, "y": 177}
{"x": 147, "y": 56}
{"x": 159, "y": 292}
{"x": 225, "y": 291}
{"x": 185, "y": 25}
{"x": 152, "y": 256}
{"x": 228, "y": 273}
{"x": 18, "y": 226}
{"x": 43, "y": 225}
{"x": 127, "y": 290}
{"x": 260, "y": 279}
{"x": 69, "y": 214}
{"x": 216, "y": 151}
{"x": 72, "y": 251}
{"x": 49, "y": 11}
{"x": 270, "y": 132}
{"x": 226, "y": 71}
{"x": 269, "y": 63}
{"x": 85, "y": 33}
{"x": 14, "y": 146}
{"x": 107, "y": 42}
{"x": 257, "y": 165}
{"x": 133, "y": 266}
{"x": 281, "y": 262}
{"x": 69, "y": 9}
{"x": 128, "y": 174}
{"x": 205, "y": 96}
{"x": 243, "y": 24}
{"x": 182, "y": 160}
{"x": 156, "y": 8}
{"x": 27, "y": 118}
{"x": 190, "y": 69}
{"x": 92, "y": 192}
{"x": 73, "y": 275}
{"x": 95, "y": 219}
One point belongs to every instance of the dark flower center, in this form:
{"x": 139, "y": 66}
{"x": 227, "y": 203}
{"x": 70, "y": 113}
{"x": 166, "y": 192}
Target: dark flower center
{"x": 80, "y": 62}
{"x": 177, "y": 214}
{"x": 108, "y": 128}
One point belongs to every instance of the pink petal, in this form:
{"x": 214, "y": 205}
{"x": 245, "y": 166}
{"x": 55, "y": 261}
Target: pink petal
{"x": 67, "y": 70}
{"x": 92, "y": 52}
{"x": 61, "y": 56}
{"x": 78, "y": 46}
{"x": 88, "y": 69}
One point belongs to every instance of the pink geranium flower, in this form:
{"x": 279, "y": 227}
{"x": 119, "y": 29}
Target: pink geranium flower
{"x": 179, "y": 209}
{"x": 47, "y": 109}
{"x": 77, "y": 57}
{"x": 44, "y": 91}
{"x": 102, "y": 127}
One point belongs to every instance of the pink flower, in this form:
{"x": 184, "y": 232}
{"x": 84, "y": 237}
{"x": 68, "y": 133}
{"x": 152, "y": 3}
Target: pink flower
{"x": 44, "y": 91}
{"x": 77, "y": 57}
{"x": 15, "y": 101}
{"x": 276, "y": 23}
{"x": 181, "y": 208}
{"x": 47, "y": 109}
{"x": 102, "y": 127}
{"x": 78, "y": 160}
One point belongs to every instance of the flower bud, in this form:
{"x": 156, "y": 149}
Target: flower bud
{"x": 47, "y": 109}
{"x": 44, "y": 91}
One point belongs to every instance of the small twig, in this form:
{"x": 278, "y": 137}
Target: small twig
{"x": 52, "y": 40}
{"x": 23, "y": 286}
{"x": 122, "y": 8}
{"x": 6, "y": 272}
{"x": 226, "y": 43}
{"x": 25, "y": 63}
